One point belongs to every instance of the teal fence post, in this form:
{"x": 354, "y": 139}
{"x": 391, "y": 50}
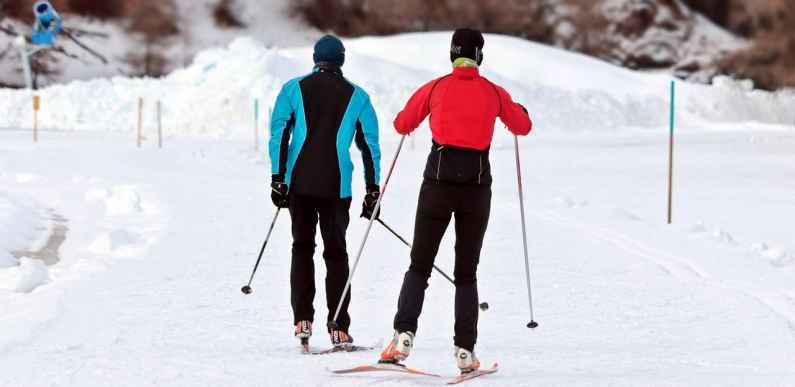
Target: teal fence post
{"x": 671, "y": 152}
{"x": 256, "y": 123}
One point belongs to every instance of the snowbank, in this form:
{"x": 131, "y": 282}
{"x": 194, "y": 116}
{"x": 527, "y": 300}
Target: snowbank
{"x": 565, "y": 91}
{"x": 20, "y": 228}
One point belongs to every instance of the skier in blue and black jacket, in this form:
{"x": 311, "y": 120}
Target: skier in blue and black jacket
{"x": 315, "y": 120}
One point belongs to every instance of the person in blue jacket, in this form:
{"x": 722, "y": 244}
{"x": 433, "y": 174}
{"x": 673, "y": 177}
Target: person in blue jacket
{"x": 315, "y": 120}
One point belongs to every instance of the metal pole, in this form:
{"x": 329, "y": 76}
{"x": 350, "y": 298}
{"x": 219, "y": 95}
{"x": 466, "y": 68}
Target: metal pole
{"x": 25, "y": 56}
{"x": 532, "y": 323}
{"x": 483, "y": 305}
{"x": 247, "y": 289}
{"x": 333, "y": 323}
{"x": 671, "y": 154}
{"x": 405, "y": 242}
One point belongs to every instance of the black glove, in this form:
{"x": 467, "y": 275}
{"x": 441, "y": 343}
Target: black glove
{"x": 280, "y": 193}
{"x": 370, "y": 200}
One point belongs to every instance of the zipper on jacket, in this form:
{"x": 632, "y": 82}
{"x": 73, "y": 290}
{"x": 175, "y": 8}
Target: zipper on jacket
{"x": 480, "y": 174}
{"x": 439, "y": 162}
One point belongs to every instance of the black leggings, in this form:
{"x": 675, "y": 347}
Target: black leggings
{"x": 333, "y": 216}
{"x": 438, "y": 202}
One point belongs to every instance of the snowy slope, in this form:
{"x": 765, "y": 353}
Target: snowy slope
{"x": 160, "y": 241}
{"x": 570, "y": 92}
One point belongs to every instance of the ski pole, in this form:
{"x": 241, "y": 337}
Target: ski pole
{"x": 483, "y": 305}
{"x": 247, "y": 289}
{"x": 532, "y": 324}
{"x": 333, "y": 323}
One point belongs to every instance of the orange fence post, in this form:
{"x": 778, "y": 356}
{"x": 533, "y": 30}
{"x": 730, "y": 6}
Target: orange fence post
{"x": 36, "y": 106}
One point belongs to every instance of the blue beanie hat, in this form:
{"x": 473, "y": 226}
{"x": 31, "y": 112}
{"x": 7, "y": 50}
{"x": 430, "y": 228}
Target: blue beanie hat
{"x": 329, "y": 49}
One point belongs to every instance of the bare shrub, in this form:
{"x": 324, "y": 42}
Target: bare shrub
{"x": 105, "y": 9}
{"x": 224, "y": 15}
{"x": 154, "y": 22}
{"x": 16, "y": 9}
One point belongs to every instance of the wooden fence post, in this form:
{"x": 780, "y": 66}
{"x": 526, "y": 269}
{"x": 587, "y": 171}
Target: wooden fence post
{"x": 36, "y": 106}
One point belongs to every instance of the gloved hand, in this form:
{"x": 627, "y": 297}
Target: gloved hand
{"x": 370, "y": 200}
{"x": 280, "y": 193}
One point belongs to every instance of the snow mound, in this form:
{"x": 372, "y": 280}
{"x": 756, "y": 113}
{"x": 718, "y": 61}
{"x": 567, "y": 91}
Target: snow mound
{"x": 564, "y": 91}
{"x": 25, "y": 178}
{"x": 6, "y": 260}
{"x": 20, "y": 225}
{"x": 775, "y": 256}
{"x": 116, "y": 242}
{"x": 120, "y": 200}
{"x": 24, "y": 278}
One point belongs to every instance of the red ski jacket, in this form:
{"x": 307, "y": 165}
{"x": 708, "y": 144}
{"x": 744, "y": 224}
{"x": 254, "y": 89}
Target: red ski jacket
{"x": 463, "y": 107}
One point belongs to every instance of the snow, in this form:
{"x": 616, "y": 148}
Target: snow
{"x": 20, "y": 225}
{"x": 160, "y": 240}
{"x": 25, "y": 277}
{"x": 230, "y": 79}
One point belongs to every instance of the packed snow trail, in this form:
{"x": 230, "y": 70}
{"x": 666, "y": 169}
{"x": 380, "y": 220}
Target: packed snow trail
{"x": 148, "y": 290}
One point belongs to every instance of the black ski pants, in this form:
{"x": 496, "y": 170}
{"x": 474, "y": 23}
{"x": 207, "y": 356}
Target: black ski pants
{"x": 333, "y": 216}
{"x": 438, "y": 202}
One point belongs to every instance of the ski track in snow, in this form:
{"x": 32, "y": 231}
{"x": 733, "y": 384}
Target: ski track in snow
{"x": 681, "y": 268}
{"x": 148, "y": 293}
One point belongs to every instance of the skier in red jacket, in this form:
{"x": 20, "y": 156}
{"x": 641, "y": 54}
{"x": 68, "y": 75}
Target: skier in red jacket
{"x": 463, "y": 107}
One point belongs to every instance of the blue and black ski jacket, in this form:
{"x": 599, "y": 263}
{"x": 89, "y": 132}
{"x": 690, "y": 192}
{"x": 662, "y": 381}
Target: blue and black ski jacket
{"x": 314, "y": 122}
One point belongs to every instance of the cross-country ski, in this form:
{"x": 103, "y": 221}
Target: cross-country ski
{"x": 387, "y": 193}
{"x": 473, "y": 374}
{"x": 348, "y": 348}
{"x": 384, "y": 367}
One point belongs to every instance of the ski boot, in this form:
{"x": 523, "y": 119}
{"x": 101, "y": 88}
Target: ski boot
{"x": 466, "y": 360}
{"x": 340, "y": 339}
{"x": 303, "y": 331}
{"x": 398, "y": 349}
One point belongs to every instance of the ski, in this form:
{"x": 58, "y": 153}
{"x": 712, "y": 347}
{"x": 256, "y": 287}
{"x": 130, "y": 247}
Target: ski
{"x": 343, "y": 349}
{"x": 383, "y": 367}
{"x": 474, "y": 374}
{"x": 307, "y": 350}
